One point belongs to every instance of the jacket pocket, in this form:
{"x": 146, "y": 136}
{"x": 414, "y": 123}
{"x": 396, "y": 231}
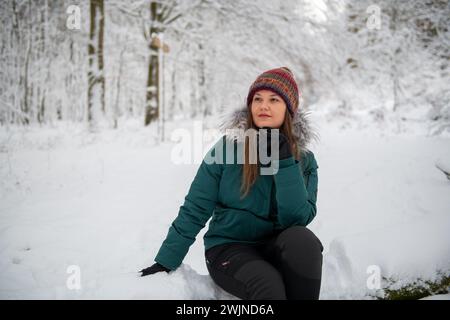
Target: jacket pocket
{"x": 242, "y": 225}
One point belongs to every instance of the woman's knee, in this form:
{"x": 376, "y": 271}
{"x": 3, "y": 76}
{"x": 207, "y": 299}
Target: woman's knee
{"x": 299, "y": 237}
{"x": 300, "y": 252}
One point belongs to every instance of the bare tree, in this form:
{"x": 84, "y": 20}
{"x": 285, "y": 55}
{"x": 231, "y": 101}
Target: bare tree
{"x": 96, "y": 77}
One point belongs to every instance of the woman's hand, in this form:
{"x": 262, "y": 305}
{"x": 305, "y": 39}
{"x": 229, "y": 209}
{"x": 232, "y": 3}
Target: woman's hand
{"x": 154, "y": 269}
{"x": 284, "y": 149}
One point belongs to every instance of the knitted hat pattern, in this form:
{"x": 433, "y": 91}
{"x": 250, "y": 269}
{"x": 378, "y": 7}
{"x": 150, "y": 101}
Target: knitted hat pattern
{"x": 278, "y": 80}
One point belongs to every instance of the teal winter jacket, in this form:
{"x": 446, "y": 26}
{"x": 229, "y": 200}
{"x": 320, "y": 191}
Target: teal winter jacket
{"x": 275, "y": 202}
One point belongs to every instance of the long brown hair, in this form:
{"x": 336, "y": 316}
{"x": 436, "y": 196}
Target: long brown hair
{"x": 250, "y": 171}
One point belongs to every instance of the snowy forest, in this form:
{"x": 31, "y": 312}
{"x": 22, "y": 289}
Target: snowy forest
{"x": 92, "y": 93}
{"x": 105, "y": 61}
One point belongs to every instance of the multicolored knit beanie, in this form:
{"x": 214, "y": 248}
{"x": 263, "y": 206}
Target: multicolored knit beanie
{"x": 282, "y": 82}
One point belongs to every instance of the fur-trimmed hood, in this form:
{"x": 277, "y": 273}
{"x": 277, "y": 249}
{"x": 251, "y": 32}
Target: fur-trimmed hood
{"x": 302, "y": 128}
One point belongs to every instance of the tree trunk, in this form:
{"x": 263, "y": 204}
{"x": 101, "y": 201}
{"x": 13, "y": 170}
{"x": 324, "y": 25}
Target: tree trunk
{"x": 151, "y": 96}
{"x": 26, "y": 87}
{"x": 119, "y": 75}
{"x": 394, "y": 72}
{"x": 96, "y": 78}
{"x": 173, "y": 99}
{"x": 203, "y": 99}
{"x": 152, "y": 87}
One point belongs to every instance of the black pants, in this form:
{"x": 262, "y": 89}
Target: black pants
{"x": 286, "y": 266}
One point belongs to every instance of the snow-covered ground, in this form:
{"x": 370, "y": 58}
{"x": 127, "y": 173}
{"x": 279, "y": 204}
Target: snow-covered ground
{"x": 98, "y": 206}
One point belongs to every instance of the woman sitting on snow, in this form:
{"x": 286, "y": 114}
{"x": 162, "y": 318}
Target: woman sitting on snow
{"x": 257, "y": 245}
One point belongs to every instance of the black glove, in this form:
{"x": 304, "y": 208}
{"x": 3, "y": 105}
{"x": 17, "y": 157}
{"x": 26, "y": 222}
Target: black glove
{"x": 154, "y": 269}
{"x": 284, "y": 151}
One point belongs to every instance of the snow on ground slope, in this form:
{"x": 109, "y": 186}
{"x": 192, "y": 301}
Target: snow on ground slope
{"x": 98, "y": 206}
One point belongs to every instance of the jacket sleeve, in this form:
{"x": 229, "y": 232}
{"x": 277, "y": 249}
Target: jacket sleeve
{"x": 296, "y": 192}
{"x": 198, "y": 207}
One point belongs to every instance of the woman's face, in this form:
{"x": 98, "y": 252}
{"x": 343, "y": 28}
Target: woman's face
{"x": 268, "y": 109}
